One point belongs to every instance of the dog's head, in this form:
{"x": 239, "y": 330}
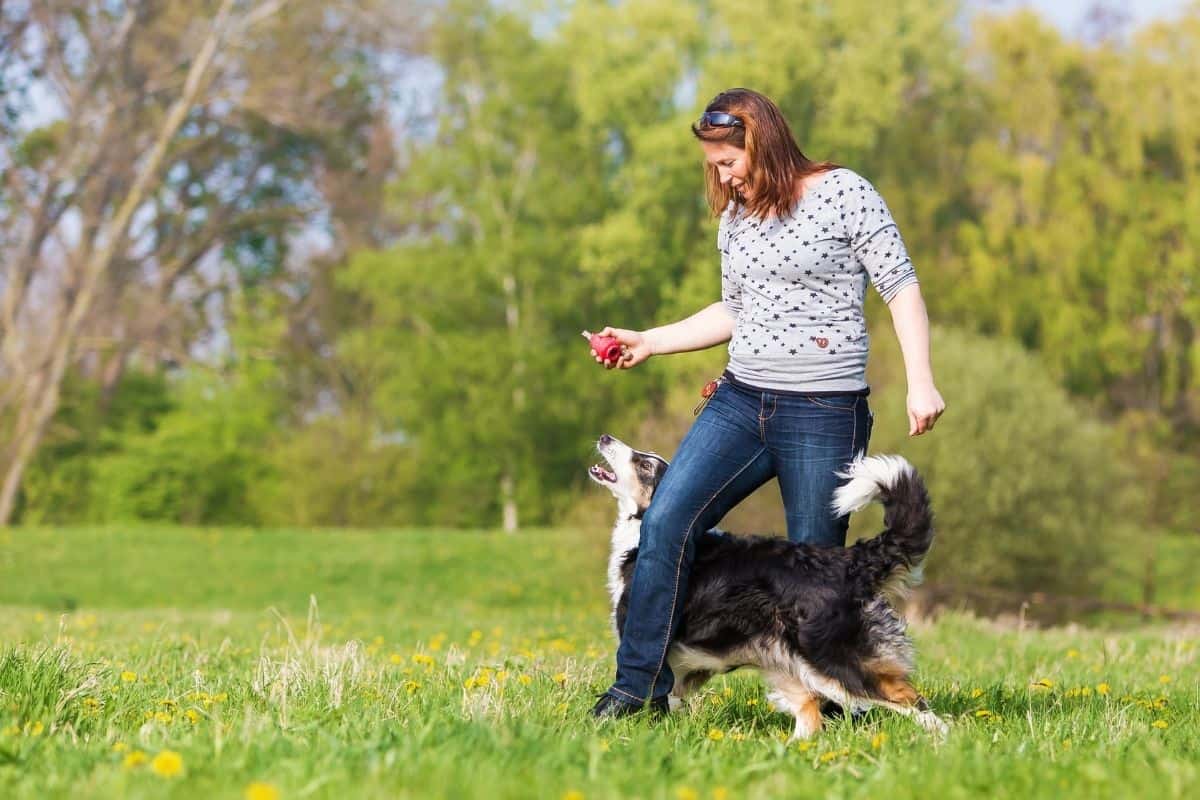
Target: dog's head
{"x": 632, "y": 475}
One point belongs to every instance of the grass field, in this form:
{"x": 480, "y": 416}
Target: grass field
{"x": 164, "y": 662}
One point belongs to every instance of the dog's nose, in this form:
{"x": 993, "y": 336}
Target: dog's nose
{"x": 605, "y": 440}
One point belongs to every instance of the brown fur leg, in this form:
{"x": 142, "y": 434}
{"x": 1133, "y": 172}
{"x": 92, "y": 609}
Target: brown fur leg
{"x": 797, "y": 699}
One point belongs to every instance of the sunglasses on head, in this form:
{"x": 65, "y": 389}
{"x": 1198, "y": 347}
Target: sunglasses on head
{"x": 719, "y": 119}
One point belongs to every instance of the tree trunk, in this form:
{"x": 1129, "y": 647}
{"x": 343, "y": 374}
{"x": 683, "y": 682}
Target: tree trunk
{"x": 512, "y": 319}
{"x": 39, "y": 406}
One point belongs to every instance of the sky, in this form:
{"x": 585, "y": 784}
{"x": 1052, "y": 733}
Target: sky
{"x": 1068, "y": 14}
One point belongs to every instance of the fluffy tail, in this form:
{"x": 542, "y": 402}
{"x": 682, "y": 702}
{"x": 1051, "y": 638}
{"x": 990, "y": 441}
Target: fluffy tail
{"x": 892, "y": 560}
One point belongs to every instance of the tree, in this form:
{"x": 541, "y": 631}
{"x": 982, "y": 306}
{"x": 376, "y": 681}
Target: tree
{"x": 179, "y": 157}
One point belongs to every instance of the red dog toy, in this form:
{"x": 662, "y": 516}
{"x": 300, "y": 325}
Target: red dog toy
{"x": 607, "y": 348}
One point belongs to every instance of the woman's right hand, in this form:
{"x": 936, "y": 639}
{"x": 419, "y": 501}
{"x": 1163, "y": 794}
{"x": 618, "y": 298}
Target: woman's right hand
{"x": 634, "y": 348}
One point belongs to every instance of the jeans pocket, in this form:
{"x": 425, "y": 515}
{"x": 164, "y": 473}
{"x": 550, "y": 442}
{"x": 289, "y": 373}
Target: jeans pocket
{"x": 835, "y": 402}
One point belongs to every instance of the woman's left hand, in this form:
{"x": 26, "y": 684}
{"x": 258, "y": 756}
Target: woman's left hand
{"x": 925, "y": 405}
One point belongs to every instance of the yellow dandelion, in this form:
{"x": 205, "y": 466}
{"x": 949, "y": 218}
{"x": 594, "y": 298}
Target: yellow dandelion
{"x": 604, "y": 746}
{"x": 1072, "y": 653}
{"x": 878, "y": 740}
{"x": 168, "y": 764}
{"x": 411, "y": 687}
{"x": 1044, "y": 683}
{"x": 260, "y": 791}
{"x": 1103, "y": 688}
{"x": 686, "y": 793}
{"x": 753, "y": 701}
{"x": 524, "y": 680}
{"x": 192, "y": 715}
{"x": 983, "y": 712}
{"x": 396, "y": 658}
{"x": 572, "y": 795}
{"x": 560, "y": 677}
{"x": 727, "y": 691}
{"x": 803, "y": 747}
{"x": 37, "y": 728}
{"x": 128, "y": 677}
{"x": 133, "y": 759}
{"x": 720, "y": 793}
{"x": 422, "y": 659}
{"x": 1066, "y": 744}
{"x": 475, "y": 638}
{"x": 976, "y": 693}
{"x": 1164, "y": 679}
{"x": 163, "y": 717}
{"x": 120, "y": 747}
{"x": 1161, "y": 724}
{"x": 829, "y": 756}
{"x": 716, "y": 734}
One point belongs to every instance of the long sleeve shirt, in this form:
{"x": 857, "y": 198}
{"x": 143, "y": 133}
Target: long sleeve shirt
{"x": 796, "y": 285}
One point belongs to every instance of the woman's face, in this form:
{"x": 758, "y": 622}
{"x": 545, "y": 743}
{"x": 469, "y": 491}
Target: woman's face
{"x": 732, "y": 165}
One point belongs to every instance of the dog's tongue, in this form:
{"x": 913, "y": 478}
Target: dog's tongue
{"x": 603, "y": 474}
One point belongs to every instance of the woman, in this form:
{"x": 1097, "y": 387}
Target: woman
{"x": 799, "y": 240}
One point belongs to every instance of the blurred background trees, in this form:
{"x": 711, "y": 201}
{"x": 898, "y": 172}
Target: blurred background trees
{"x": 349, "y": 290}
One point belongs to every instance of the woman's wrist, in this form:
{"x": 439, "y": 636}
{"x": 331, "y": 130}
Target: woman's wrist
{"x": 921, "y": 382}
{"x": 649, "y": 338}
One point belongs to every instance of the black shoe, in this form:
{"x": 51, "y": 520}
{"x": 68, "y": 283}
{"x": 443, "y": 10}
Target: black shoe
{"x": 609, "y": 707}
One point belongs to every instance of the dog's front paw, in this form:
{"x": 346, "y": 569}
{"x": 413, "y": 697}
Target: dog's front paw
{"x": 934, "y": 724}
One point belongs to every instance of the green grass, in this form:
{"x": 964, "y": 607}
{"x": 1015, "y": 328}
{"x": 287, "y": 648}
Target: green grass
{"x": 449, "y": 664}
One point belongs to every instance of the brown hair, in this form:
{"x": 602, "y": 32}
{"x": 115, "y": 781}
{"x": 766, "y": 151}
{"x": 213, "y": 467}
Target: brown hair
{"x": 776, "y": 163}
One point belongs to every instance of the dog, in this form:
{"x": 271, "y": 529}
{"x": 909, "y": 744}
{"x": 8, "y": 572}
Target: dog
{"x": 819, "y": 622}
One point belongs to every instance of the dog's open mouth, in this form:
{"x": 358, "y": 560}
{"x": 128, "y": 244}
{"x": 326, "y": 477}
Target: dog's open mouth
{"x": 601, "y": 474}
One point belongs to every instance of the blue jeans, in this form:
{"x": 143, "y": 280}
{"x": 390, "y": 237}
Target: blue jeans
{"x": 743, "y": 438}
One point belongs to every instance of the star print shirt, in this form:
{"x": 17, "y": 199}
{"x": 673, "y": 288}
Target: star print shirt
{"x": 796, "y": 285}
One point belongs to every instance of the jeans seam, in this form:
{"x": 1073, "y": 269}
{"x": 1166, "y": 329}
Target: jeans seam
{"x": 631, "y": 697}
{"x": 854, "y": 432}
{"x": 763, "y": 418}
{"x": 679, "y": 562}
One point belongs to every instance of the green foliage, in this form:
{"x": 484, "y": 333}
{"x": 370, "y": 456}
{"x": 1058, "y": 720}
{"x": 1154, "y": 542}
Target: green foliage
{"x": 203, "y": 460}
{"x": 337, "y": 471}
{"x": 58, "y": 485}
{"x": 1081, "y": 238}
{"x": 1028, "y": 488}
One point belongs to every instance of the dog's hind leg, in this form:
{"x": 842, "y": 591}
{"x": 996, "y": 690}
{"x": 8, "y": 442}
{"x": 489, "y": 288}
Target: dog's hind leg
{"x": 687, "y": 685}
{"x": 791, "y": 695}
